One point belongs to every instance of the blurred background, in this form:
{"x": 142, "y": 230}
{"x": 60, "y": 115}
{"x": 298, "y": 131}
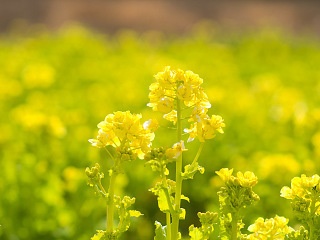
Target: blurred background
{"x": 65, "y": 65}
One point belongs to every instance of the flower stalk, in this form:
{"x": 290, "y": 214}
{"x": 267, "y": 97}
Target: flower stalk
{"x": 179, "y": 163}
{"x": 110, "y": 202}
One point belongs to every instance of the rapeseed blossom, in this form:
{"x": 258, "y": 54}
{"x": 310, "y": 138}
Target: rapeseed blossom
{"x": 175, "y": 87}
{"x": 176, "y": 150}
{"x": 301, "y": 187}
{"x": 124, "y": 132}
{"x": 246, "y": 180}
{"x": 225, "y": 174}
{"x": 274, "y": 228}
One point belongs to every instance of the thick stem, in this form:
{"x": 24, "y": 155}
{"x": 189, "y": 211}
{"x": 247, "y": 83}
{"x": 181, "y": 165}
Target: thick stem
{"x": 175, "y": 216}
{"x": 168, "y": 220}
{"x": 110, "y": 202}
{"x": 234, "y": 227}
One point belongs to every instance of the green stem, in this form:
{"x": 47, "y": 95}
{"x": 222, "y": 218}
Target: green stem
{"x": 110, "y": 202}
{"x": 102, "y": 188}
{"x": 168, "y": 214}
{"x": 175, "y": 216}
{"x": 198, "y": 153}
{"x": 312, "y": 214}
{"x": 168, "y": 220}
{"x": 234, "y": 227}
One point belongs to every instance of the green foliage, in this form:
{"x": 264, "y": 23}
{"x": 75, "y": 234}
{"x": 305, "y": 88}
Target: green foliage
{"x": 160, "y": 232}
{"x": 55, "y": 87}
{"x": 207, "y": 221}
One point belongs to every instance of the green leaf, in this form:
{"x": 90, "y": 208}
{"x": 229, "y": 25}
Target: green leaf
{"x": 160, "y": 231}
{"x": 185, "y": 198}
{"x": 100, "y": 235}
{"x": 182, "y": 214}
{"x": 191, "y": 169}
{"x": 135, "y": 213}
{"x": 162, "y": 201}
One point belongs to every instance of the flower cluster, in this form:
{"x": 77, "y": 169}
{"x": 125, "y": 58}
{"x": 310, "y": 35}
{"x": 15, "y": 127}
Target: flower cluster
{"x": 305, "y": 201}
{"x": 236, "y": 195}
{"x": 274, "y": 228}
{"x": 175, "y": 87}
{"x": 302, "y": 187}
{"x": 246, "y": 180}
{"x": 124, "y": 132}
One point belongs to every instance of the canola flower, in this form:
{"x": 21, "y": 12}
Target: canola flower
{"x": 178, "y": 94}
{"x": 305, "y": 201}
{"x": 236, "y": 195}
{"x": 246, "y": 180}
{"x": 130, "y": 139}
{"x": 274, "y": 228}
{"x": 174, "y": 87}
{"x": 302, "y": 187}
{"x": 124, "y": 132}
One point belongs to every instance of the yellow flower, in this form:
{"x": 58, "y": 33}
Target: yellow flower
{"x": 286, "y": 192}
{"x": 171, "y": 116}
{"x": 247, "y": 179}
{"x": 225, "y": 174}
{"x": 166, "y": 78}
{"x": 300, "y": 186}
{"x": 309, "y": 182}
{"x": 206, "y": 128}
{"x": 174, "y": 88}
{"x": 274, "y": 228}
{"x": 176, "y": 150}
{"x": 151, "y": 124}
{"x": 124, "y": 132}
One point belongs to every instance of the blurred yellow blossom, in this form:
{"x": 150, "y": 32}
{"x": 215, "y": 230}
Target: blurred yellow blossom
{"x": 38, "y": 75}
{"x": 247, "y": 179}
{"x": 274, "y": 228}
{"x": 301, "y": 187}
{"x": 225, "y": 174}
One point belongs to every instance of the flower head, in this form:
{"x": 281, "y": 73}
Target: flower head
{"x": 205, "y": 128}
{"x": 225, "y": 174}
{"x": 274, "y": 228}
{"x": 124, "y": 132}
{"x": 247, "y": 179}
{"x": 176, "y": 150}
{"x": 184, "y": 87}
{"x": 301, "y": 187}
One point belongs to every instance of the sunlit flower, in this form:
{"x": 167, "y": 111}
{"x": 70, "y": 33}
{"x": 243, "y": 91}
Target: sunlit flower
{"x": 176, "y": 150}
{"x": 247, "y": 179}
{"x": 274, "y": 228}
{"x": 171, "y": 116}
{"x": 124, "y": 132}
{"x": 301, "y": 187}
{"x": 225, "y": 174}
{"x": 174, "y": 88}
{"x": 206, "y": 128}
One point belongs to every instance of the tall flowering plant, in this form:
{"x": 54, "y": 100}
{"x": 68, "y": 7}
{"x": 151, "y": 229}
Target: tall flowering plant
{"x": 179, "y": 96}
{"x": 124, "y": 138}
